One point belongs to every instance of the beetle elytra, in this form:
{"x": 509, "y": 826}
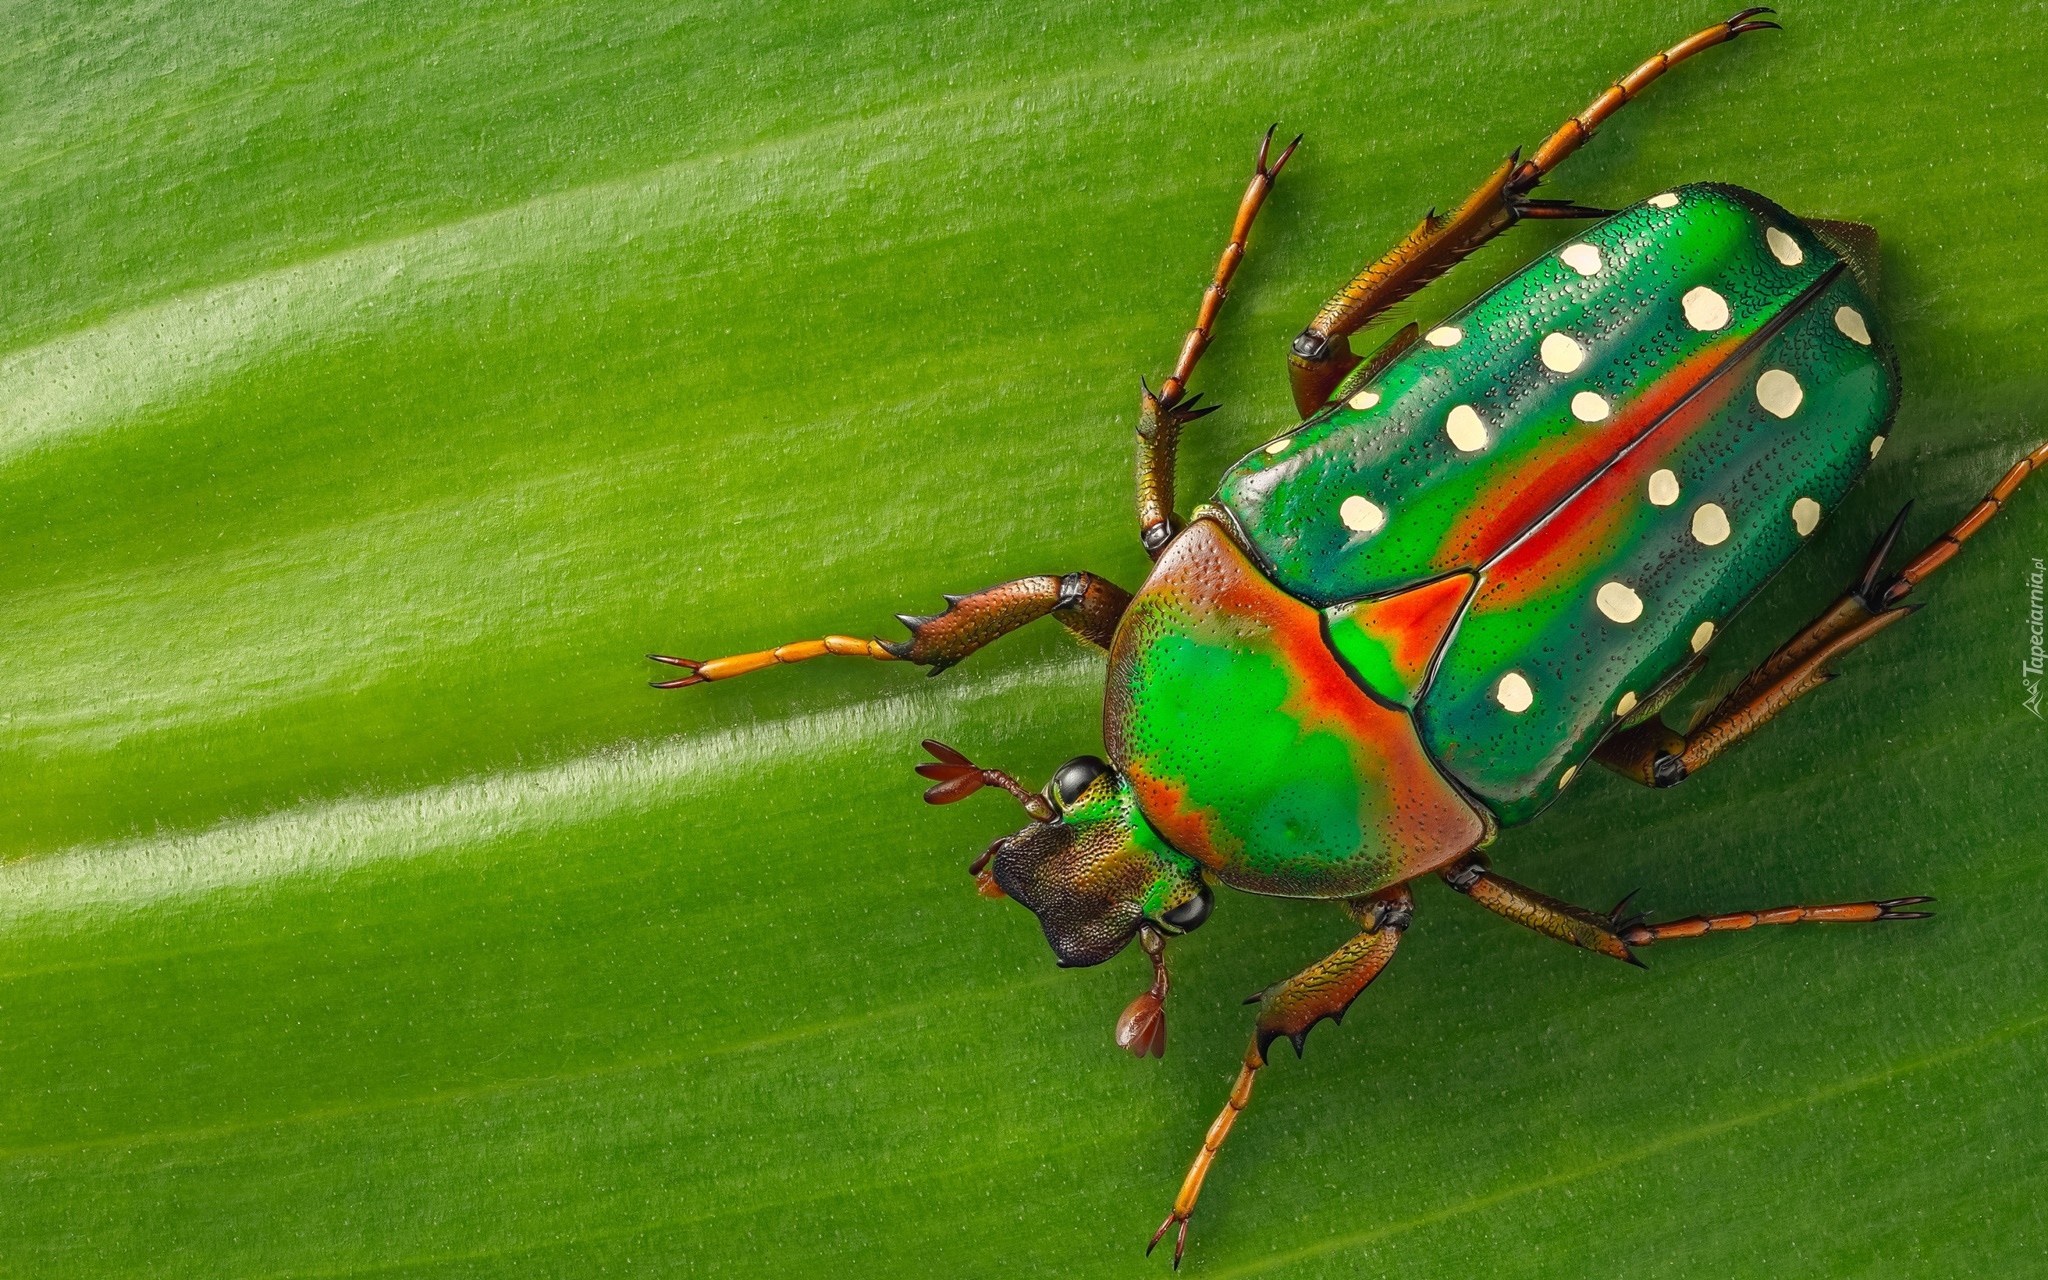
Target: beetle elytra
{"x": 1488, "y": 556}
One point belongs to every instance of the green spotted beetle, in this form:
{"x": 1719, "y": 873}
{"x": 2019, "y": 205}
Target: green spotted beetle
{"x": 1489, "y": 554}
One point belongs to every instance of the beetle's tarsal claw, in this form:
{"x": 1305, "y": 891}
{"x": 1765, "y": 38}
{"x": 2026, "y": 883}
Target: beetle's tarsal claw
{"x": 1285, "y": 155}
{"x": 685, "y": 663}
{"x": 1891, "y": 911}
{"x": 1180, "y": 1242}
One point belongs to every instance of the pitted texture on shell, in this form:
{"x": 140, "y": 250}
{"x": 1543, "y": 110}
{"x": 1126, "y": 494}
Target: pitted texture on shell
{"x": 1250, "y": 749}
{"x": 1388, "y": 644}
{"x": 1540, "y": 608}
{"x": 1453, "y": 502}
{"x": 1556, "y": 506}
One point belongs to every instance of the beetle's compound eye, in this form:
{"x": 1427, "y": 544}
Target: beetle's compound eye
{"x": 1075, "y": 775}
{"x": 1189, "y": 915}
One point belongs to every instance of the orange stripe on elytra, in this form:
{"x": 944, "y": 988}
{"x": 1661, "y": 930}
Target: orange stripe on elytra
{"x": 1586, "y": 529}
{"x": 1520, "y": 493}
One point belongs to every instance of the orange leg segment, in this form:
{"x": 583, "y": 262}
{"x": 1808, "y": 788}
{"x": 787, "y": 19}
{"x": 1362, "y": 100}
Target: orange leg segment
{"x": 1162, "y": 415}
{"x": 1642, "y": 935}
{"x": 1944, "y": 548}
{"x": 1575, "y": 132}
{"x": 740, "y": 664}
{"x": 1083, "y": 603}
{"x": 1291, "y": 1009}
{"x": 1322, "y": 354}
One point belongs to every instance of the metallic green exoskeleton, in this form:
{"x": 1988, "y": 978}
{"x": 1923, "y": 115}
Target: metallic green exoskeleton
{"x": 1488, "y": 555}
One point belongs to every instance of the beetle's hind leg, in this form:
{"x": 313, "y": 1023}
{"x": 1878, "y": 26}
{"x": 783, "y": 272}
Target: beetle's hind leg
{"x": 1322, "y": 356}
{"x": 1613, "y": 933}
{"x": 1638, "y": 933}
{"x": 1085, "y": 604}
{"x": 1551, "y": 917}
{"x": 1162, "y": 414}
{"x": 1323, "y": 990}
{"x": 1654, "y": 755}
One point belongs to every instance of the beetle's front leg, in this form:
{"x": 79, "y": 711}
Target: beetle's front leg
{"x": 1162, "y": 415}
{"x": 1083, "y": 603}
{"x": 1291, "y": 1008}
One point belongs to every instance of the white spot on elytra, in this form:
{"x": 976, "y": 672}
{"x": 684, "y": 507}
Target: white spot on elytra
{"x": 1280, "y": 445}
{"x": 1702, "y": 636}
{"x": 1663, "y": 487}
{"x": 1710, "y": 525}
{"x": 1514, "y": 693}
{"x": 1364, "y": 400}
{"x": 1565, "y": 779}
{"x": 1589, "y": 407}
{"x": 1779, "y": 393}
{"x": 1627, "y": 703}
{"x": 1444, "y": 336}
{"x": 1805, "y": 516}
{"x": 1619, "y": 603}
{"x": 1705, "y": 310}
{"x": 1562, "y": 354}
{"x": 1666, "y": 201}
{"x": 1465, "y": 429}
{"x": 1783, "y": 247}
{"x": 1850, "y": 321}
{"x": 1361, "y": 514}
{"x": 1582, "y": 257}
{"x": 1876, "y": 443}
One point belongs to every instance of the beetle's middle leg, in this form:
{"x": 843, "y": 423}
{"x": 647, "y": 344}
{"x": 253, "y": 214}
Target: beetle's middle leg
{"x": 1654, "y": 755}
{"x": 1161, "y": 415}
{"x": 1322, "y": 356}
{"x": 1086, "y": 605}
{"x": 1323, "y": 990}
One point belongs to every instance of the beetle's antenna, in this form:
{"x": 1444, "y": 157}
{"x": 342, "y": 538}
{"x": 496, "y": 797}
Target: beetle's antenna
{"x": 955, "y": 777}
{"x": 1142, "y": 1028}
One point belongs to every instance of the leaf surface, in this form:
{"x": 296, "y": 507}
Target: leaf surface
{"x": 378, "y": 383}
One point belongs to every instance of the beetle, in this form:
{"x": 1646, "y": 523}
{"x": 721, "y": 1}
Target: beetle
{"x": 1488, "y": 555}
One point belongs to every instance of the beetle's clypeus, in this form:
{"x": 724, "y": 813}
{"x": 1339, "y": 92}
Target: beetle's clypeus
{"x": 1489, "y": 554}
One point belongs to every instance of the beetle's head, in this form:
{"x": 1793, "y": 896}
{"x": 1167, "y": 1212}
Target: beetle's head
{"x": 1088, "y": 865}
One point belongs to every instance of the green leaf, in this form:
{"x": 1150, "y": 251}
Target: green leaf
{"x": 379, "y": 382}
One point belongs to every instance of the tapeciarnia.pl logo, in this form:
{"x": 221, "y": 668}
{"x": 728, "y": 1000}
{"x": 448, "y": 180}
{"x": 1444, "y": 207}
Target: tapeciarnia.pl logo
{"x": 2030, "y": 669}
